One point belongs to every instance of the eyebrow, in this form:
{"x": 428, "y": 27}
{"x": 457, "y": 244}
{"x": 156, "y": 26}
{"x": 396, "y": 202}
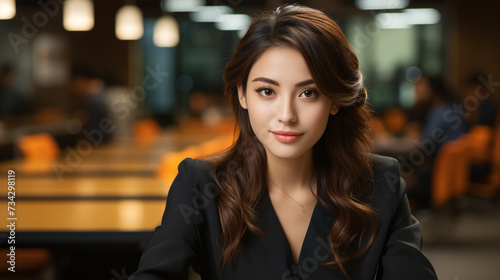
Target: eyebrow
{"x": 273, "y": 82}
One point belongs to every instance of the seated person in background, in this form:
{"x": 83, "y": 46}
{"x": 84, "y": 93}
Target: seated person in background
{"x": 485, "y": 114}
{"x": 12, "y": 101}
{"x": 393, "y": 134}
{"x": 94, "y": 114}
{"x": 487, "y": 110}
{"x": 441, "y": 124}
{"x": 441, "y": 115}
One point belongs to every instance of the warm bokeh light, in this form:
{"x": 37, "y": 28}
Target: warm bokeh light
{"x": 7, "y": 9}
{"x": 78, "y": 15}
{"x": 166, "y": 32}
{"x": 129, "y": 23}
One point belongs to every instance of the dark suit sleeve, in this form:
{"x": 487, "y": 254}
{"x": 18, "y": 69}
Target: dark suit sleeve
{"x": 175, "y": 244}
{"x": 402, "y": 257}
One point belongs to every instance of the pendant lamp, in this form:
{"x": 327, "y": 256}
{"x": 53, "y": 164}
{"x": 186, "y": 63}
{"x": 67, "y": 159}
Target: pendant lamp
{"x": 166, "y": 32}
{"x": 129, "y": 23}
{"x": 78, "y": 15}
{"x": 7, "y": 9}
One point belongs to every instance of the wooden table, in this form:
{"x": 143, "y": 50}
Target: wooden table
{"x": 111, "y": 193}
{"x": 88, "y": 215}
{"x": 124, "y": 156}
{"x": 49, "y": 222}
{"x": 99, "y": 213}
{"x": 135, "y": 187}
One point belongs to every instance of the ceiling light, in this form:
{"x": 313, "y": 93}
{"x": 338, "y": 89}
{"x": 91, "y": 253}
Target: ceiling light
{"x": 422, "y": 16}
{"x": 7, "y": 9}
{"x": 181, "y": 5}
{"x": 209, "y": 13}
{"x": 381, "y": 4}
{"x": 233, "y": 22}
{"x": 392, "y": 20}
{"x": 129, "y": 23}
{"x": 166, "y": 32}
{"x": 78, "y": 15}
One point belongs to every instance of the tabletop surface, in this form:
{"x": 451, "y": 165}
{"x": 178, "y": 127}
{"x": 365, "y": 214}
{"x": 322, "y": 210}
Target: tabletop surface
{"x": 112, "y": 188}
{"x": 86, "y": 215}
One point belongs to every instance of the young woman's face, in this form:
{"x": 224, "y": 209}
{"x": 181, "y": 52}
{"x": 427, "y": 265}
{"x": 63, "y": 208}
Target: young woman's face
{"x": 287, "y": 112}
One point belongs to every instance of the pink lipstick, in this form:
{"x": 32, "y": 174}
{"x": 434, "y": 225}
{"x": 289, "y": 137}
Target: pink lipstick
{"x": 286, "y": 136}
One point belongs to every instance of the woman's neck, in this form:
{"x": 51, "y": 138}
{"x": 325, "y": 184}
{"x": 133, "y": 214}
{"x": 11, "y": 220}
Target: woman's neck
{"x": 290, "y": 174}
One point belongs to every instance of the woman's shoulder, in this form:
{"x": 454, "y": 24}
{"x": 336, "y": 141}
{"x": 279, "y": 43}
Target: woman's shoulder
{"x": 380, "y": 162}
{"x": 195, "y": 170}
{"x": 386, "y": 175}
{"x": 193, "y": 189}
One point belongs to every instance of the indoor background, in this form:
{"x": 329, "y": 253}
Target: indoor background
{"x": 100, "y": 100}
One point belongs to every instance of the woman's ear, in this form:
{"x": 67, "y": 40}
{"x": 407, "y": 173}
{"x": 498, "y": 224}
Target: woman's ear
{"x": 242, "y": 97}
{"x": 334, "y": 110}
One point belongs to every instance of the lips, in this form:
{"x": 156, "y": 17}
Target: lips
{"x": 286, "y": 136}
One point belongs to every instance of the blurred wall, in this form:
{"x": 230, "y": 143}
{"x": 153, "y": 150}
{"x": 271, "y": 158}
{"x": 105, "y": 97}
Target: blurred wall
{"x": 474, "y": 41}
{"x": 36, "y": 36}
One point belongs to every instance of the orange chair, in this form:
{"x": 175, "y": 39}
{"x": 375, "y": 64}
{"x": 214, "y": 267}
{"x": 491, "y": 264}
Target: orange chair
{"x": 167, "y": 168}
{"x": 479, "y": 141}
{"x": 491, "y": 187}
{"x": 145, "y": 131}
{"x": 191, "y": 125}
{"x": 216, "y": 145}
{"x": 39, "y": 147}
{"x": 32, "y": 264}
{"x": 39, "y": 152}
{"x": 451, "y": 174}
{"x": 395, "y": 120}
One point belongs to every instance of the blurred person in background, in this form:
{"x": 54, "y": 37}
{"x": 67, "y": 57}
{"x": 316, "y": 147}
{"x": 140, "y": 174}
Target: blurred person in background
{"x": 441, "y": 114}
{"x": 207, "y": 107}
{"x": 93, "y": 111}
{"x": 198, "y": 103}
{"x": 12, "y": 101}
{"x": 482, "y": 115}
{"x": 440, "y": 122}
{"x": 124, "y": 110}
{"x": 487, "y": 109}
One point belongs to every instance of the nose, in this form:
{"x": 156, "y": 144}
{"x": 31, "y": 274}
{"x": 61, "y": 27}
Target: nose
{"x": 286, "y": 111}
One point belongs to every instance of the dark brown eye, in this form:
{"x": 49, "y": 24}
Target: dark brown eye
{"x": 266, "y": 92}
{"x": 308, "y": 93}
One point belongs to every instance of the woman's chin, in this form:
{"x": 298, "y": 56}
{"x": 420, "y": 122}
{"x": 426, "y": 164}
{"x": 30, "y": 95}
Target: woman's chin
{"x": 287, "y": 153}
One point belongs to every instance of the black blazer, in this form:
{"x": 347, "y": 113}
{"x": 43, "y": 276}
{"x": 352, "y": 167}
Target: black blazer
{"x": 188, "y": 233}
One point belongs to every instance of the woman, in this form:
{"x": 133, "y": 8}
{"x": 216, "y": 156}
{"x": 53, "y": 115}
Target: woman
{"x": 298, "y": 196}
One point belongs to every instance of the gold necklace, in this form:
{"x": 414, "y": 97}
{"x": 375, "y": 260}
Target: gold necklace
{"x": 303, "y": 208}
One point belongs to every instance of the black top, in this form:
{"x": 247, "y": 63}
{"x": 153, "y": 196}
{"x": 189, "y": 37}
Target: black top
{"x": 188, "y": 233}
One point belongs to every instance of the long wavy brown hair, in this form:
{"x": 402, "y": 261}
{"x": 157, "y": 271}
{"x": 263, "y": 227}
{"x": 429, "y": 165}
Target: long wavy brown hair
{"x": 340, "y": 157}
